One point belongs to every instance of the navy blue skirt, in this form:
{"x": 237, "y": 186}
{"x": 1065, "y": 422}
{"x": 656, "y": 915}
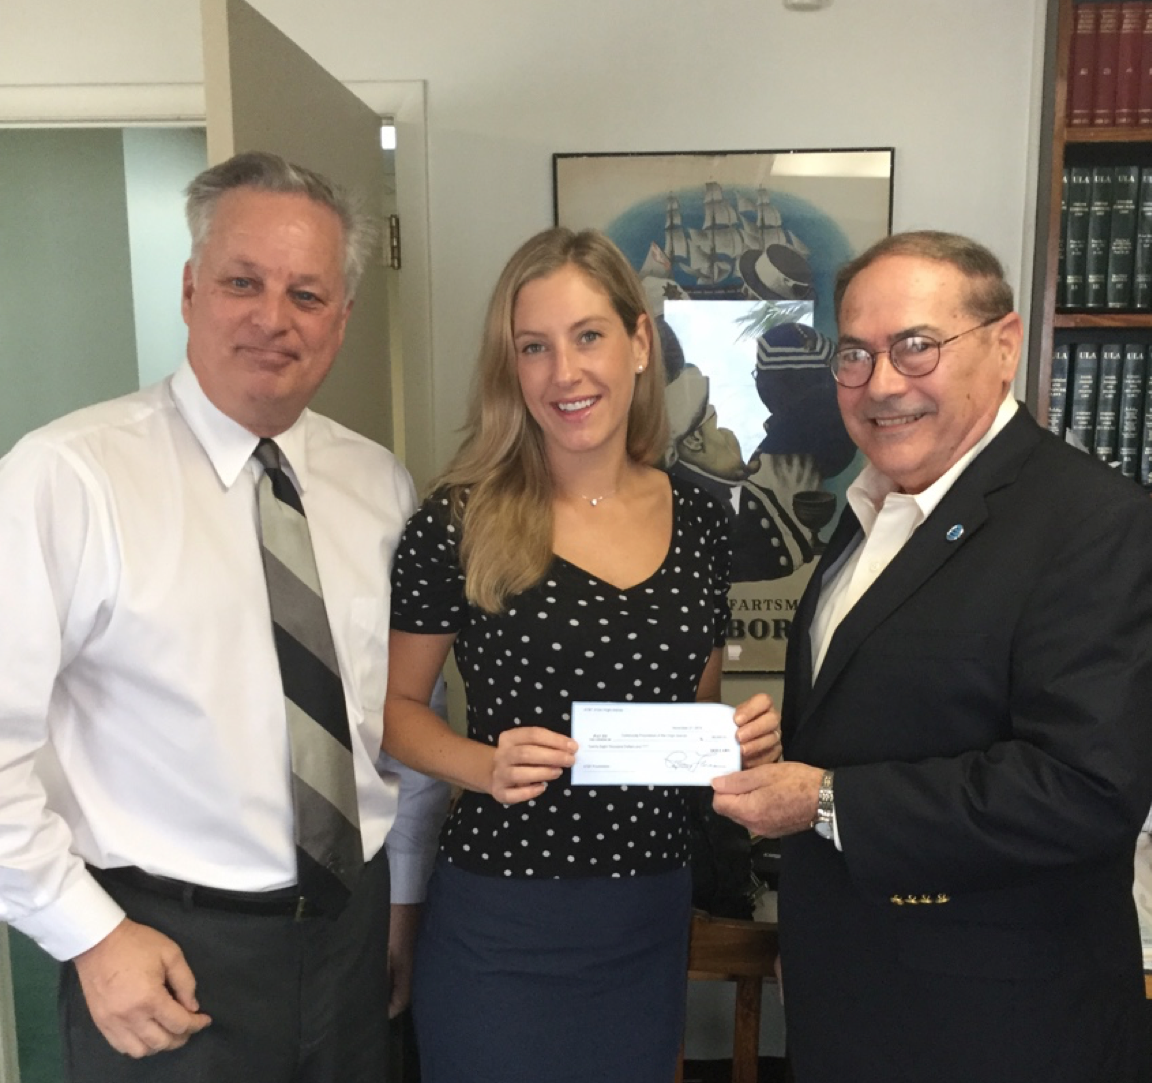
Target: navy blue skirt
{"x": 569, "y": 981}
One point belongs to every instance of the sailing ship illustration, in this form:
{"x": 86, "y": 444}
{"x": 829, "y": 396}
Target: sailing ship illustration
{"x": 675, "y": 238}
{"x": 737, "y": 237}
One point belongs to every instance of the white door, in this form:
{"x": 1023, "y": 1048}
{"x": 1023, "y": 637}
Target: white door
{"x": 263, "y": 92}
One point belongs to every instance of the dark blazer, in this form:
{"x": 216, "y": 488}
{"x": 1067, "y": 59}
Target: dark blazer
{"x": 987, "y": 708}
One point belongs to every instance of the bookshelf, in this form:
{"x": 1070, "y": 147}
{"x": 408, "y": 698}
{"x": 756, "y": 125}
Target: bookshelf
{"x": 1066, "y": 145}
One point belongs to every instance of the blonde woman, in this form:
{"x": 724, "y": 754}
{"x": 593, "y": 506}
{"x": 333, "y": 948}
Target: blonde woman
{"x": 560, "y": 564}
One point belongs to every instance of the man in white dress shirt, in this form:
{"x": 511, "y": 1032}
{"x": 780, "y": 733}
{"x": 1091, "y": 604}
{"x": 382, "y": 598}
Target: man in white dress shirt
{"x": 965, "y": 715}
{"x": 146, "y": 813}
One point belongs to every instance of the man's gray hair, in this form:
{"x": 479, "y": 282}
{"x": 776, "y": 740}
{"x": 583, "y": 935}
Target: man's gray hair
{"x": 988, "y": 294}
{"x": 266, "y": 172}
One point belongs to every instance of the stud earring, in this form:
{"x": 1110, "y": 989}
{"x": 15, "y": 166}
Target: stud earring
{"x": 639, "y": 369}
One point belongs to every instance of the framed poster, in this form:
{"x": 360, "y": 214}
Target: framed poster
{"x": 738, "y": 252}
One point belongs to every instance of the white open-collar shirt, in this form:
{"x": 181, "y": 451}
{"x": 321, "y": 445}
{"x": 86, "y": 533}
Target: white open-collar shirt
{"x": 888, "y": 519}
{"x": 142, "y": 718}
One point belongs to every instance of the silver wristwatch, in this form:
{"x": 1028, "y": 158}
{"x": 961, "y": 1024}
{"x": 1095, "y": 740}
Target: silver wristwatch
{"x": 825, "y": 808}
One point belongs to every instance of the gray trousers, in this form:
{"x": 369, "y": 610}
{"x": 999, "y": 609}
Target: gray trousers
{"x": 291, "y": 1002}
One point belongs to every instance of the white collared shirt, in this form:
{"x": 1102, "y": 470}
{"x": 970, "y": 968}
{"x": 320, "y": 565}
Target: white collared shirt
{"x": 136, "y": 648}
{"x": 888, "y": 519}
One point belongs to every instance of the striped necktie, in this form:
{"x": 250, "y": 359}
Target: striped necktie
{"x": 329, "y": 852}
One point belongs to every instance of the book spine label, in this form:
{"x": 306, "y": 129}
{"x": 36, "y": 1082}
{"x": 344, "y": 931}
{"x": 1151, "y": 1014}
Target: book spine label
{"x": 1082, "y": 393}
{"x": 1107, "y": 402}
{"x": 1122, "y": 237}
{"x": 1058, "y": 388}
{"x": 1082, "y": 64}
{"x": 1076, "y": 237}
{"x": 1099, "y": 231}
{"x": 1107, "y": 57}
{"x": 1142, "y": 253}
{"x": 1133, "y": 377}
{"x": 1128, "y": 62}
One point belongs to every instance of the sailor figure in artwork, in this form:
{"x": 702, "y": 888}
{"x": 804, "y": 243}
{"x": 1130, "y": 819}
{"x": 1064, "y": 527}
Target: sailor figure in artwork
{"x": 768, "y": 541}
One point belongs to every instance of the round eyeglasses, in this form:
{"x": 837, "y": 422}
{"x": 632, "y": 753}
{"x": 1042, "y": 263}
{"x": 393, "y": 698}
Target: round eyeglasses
{"x": 912, "y": 356}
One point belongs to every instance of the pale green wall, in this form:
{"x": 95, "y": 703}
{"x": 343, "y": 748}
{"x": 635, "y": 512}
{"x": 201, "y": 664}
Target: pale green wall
{"x": 66, "y": 324}
{"x": 158, "y": 164}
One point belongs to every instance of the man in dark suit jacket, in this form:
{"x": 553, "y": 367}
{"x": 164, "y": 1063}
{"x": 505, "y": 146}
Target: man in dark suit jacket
{"x": 966, "y": 715}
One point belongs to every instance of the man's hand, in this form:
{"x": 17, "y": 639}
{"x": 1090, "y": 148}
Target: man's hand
{"x": 758, "y": 731}
{"x": 140, "y": 991}
{"x": 773, "y": 799}
{"x": 403, "y": 924}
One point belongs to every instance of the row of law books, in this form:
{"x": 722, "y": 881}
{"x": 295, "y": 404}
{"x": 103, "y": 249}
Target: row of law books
{"x": 1105, "y": 251}
{"x": 1110, "y": 66}
{"x": 1099, "y": 399}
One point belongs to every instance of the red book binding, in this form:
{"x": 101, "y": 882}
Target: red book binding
{"x": 1107, "y": 55}
{"x": 1128, "y": 62}
{"x": 1144, "y": 93}
{"x": 1082, "y": 63}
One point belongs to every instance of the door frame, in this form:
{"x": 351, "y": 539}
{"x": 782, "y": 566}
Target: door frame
{"x": 182, "y": 105}
{"x": 9, "y": 1065}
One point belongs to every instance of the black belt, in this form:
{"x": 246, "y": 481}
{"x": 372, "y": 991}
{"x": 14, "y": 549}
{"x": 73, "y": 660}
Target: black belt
{"x": 285, "y": 902}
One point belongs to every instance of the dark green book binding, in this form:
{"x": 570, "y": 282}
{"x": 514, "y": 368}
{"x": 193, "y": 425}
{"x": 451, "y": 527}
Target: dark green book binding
{"x": 1144, "y": 470}
{"x": 1133, "y": 377}
{"x": 1062, "y": 239}
{"x": 1058, "y": 388}
{"x": 1099, "y": 235}
{"x": 1107, "y": 402}
{"x": 1082, "y": 393}
{"x": 1076, "y": 235}
{"x": 1122, "y": 237}
{"x": 1142, "y": 256}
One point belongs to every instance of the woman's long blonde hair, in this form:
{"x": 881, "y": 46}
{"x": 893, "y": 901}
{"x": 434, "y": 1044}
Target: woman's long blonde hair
{"x": 506, "y": 520}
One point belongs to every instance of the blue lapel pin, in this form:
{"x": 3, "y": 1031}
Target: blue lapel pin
{"x": 954, "y": 533}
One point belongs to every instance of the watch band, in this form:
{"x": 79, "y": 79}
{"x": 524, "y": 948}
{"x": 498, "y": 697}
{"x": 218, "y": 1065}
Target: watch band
{"x": 825, "y": 808}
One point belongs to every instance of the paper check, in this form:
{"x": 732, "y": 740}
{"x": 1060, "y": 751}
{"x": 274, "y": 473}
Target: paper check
{"x": 653, "y": 744}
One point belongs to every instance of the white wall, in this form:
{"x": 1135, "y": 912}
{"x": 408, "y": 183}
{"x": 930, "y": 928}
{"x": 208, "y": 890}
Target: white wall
{"x": 949, "y": 85}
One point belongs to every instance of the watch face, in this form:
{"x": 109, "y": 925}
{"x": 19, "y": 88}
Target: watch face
{"x": 824, "y": 829}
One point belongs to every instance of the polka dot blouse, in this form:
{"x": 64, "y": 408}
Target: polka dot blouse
{"x": 571, "y": 637}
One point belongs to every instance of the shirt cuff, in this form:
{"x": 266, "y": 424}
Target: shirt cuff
{"x": 409, "y": 871}
{"x": 82, "y": 916}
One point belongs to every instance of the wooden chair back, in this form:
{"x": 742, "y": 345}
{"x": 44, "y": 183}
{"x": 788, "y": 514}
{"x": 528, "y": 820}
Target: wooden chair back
{"x": 744, "y": 952}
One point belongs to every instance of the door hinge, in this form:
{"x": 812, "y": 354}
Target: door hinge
{"x": 394, "y": 241}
